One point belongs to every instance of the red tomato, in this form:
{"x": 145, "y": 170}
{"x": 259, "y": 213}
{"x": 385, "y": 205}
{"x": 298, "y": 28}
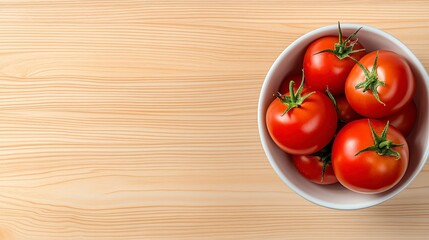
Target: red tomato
{"x": 316, "y": 167}
{"x": 296, "y": 77}
{"x": 345, "y": 111}
{"x": 294, "y": 130}
{"x": 331, "y": 68}
{"x": 375, "y": 169}
{"x": 404, "y": 119}
{"x": 391, "y": 80}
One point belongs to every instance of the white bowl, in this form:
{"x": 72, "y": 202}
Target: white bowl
{"x": 336, "y": 196}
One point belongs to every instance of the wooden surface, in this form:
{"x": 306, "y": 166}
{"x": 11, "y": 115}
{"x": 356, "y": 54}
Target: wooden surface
{"x": 137, "y": 120}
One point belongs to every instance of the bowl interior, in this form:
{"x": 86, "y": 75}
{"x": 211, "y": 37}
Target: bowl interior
{"x": 336, "y": 196}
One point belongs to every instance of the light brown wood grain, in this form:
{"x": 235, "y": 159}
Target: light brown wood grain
{"x": 137, "y": 120}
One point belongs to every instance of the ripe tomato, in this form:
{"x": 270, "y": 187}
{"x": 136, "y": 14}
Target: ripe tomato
{"x": 294, "y": 121}
{"x": 316, "y": 167}
{"x": 380, "y": 85}
{"x": 404, "y": 119}
{"x": 296, "y": 77}
{"x": 369, "y": 157}
{"x": 345, "y": 111}
{"x": 327, "y": 67}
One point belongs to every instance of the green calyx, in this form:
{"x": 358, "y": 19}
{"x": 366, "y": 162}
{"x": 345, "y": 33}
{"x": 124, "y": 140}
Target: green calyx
{"x": 382, "y": 146}
{"x": 343, "y": 48}
{"x": 371, "y": 81}
{"x": 325, "y": 158}
{"x": 295, "y": 99}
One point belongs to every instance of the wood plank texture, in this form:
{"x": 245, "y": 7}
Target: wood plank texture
{"x": 137, "y": 120}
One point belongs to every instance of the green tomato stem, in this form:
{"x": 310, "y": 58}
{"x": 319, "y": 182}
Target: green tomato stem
{"x": 295, "y": 99}
{"x": 382, "y": 146}
{"x": 343, "y": 48}
{"x": 292, "y": 93}
{"x": 371, "y": 81}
